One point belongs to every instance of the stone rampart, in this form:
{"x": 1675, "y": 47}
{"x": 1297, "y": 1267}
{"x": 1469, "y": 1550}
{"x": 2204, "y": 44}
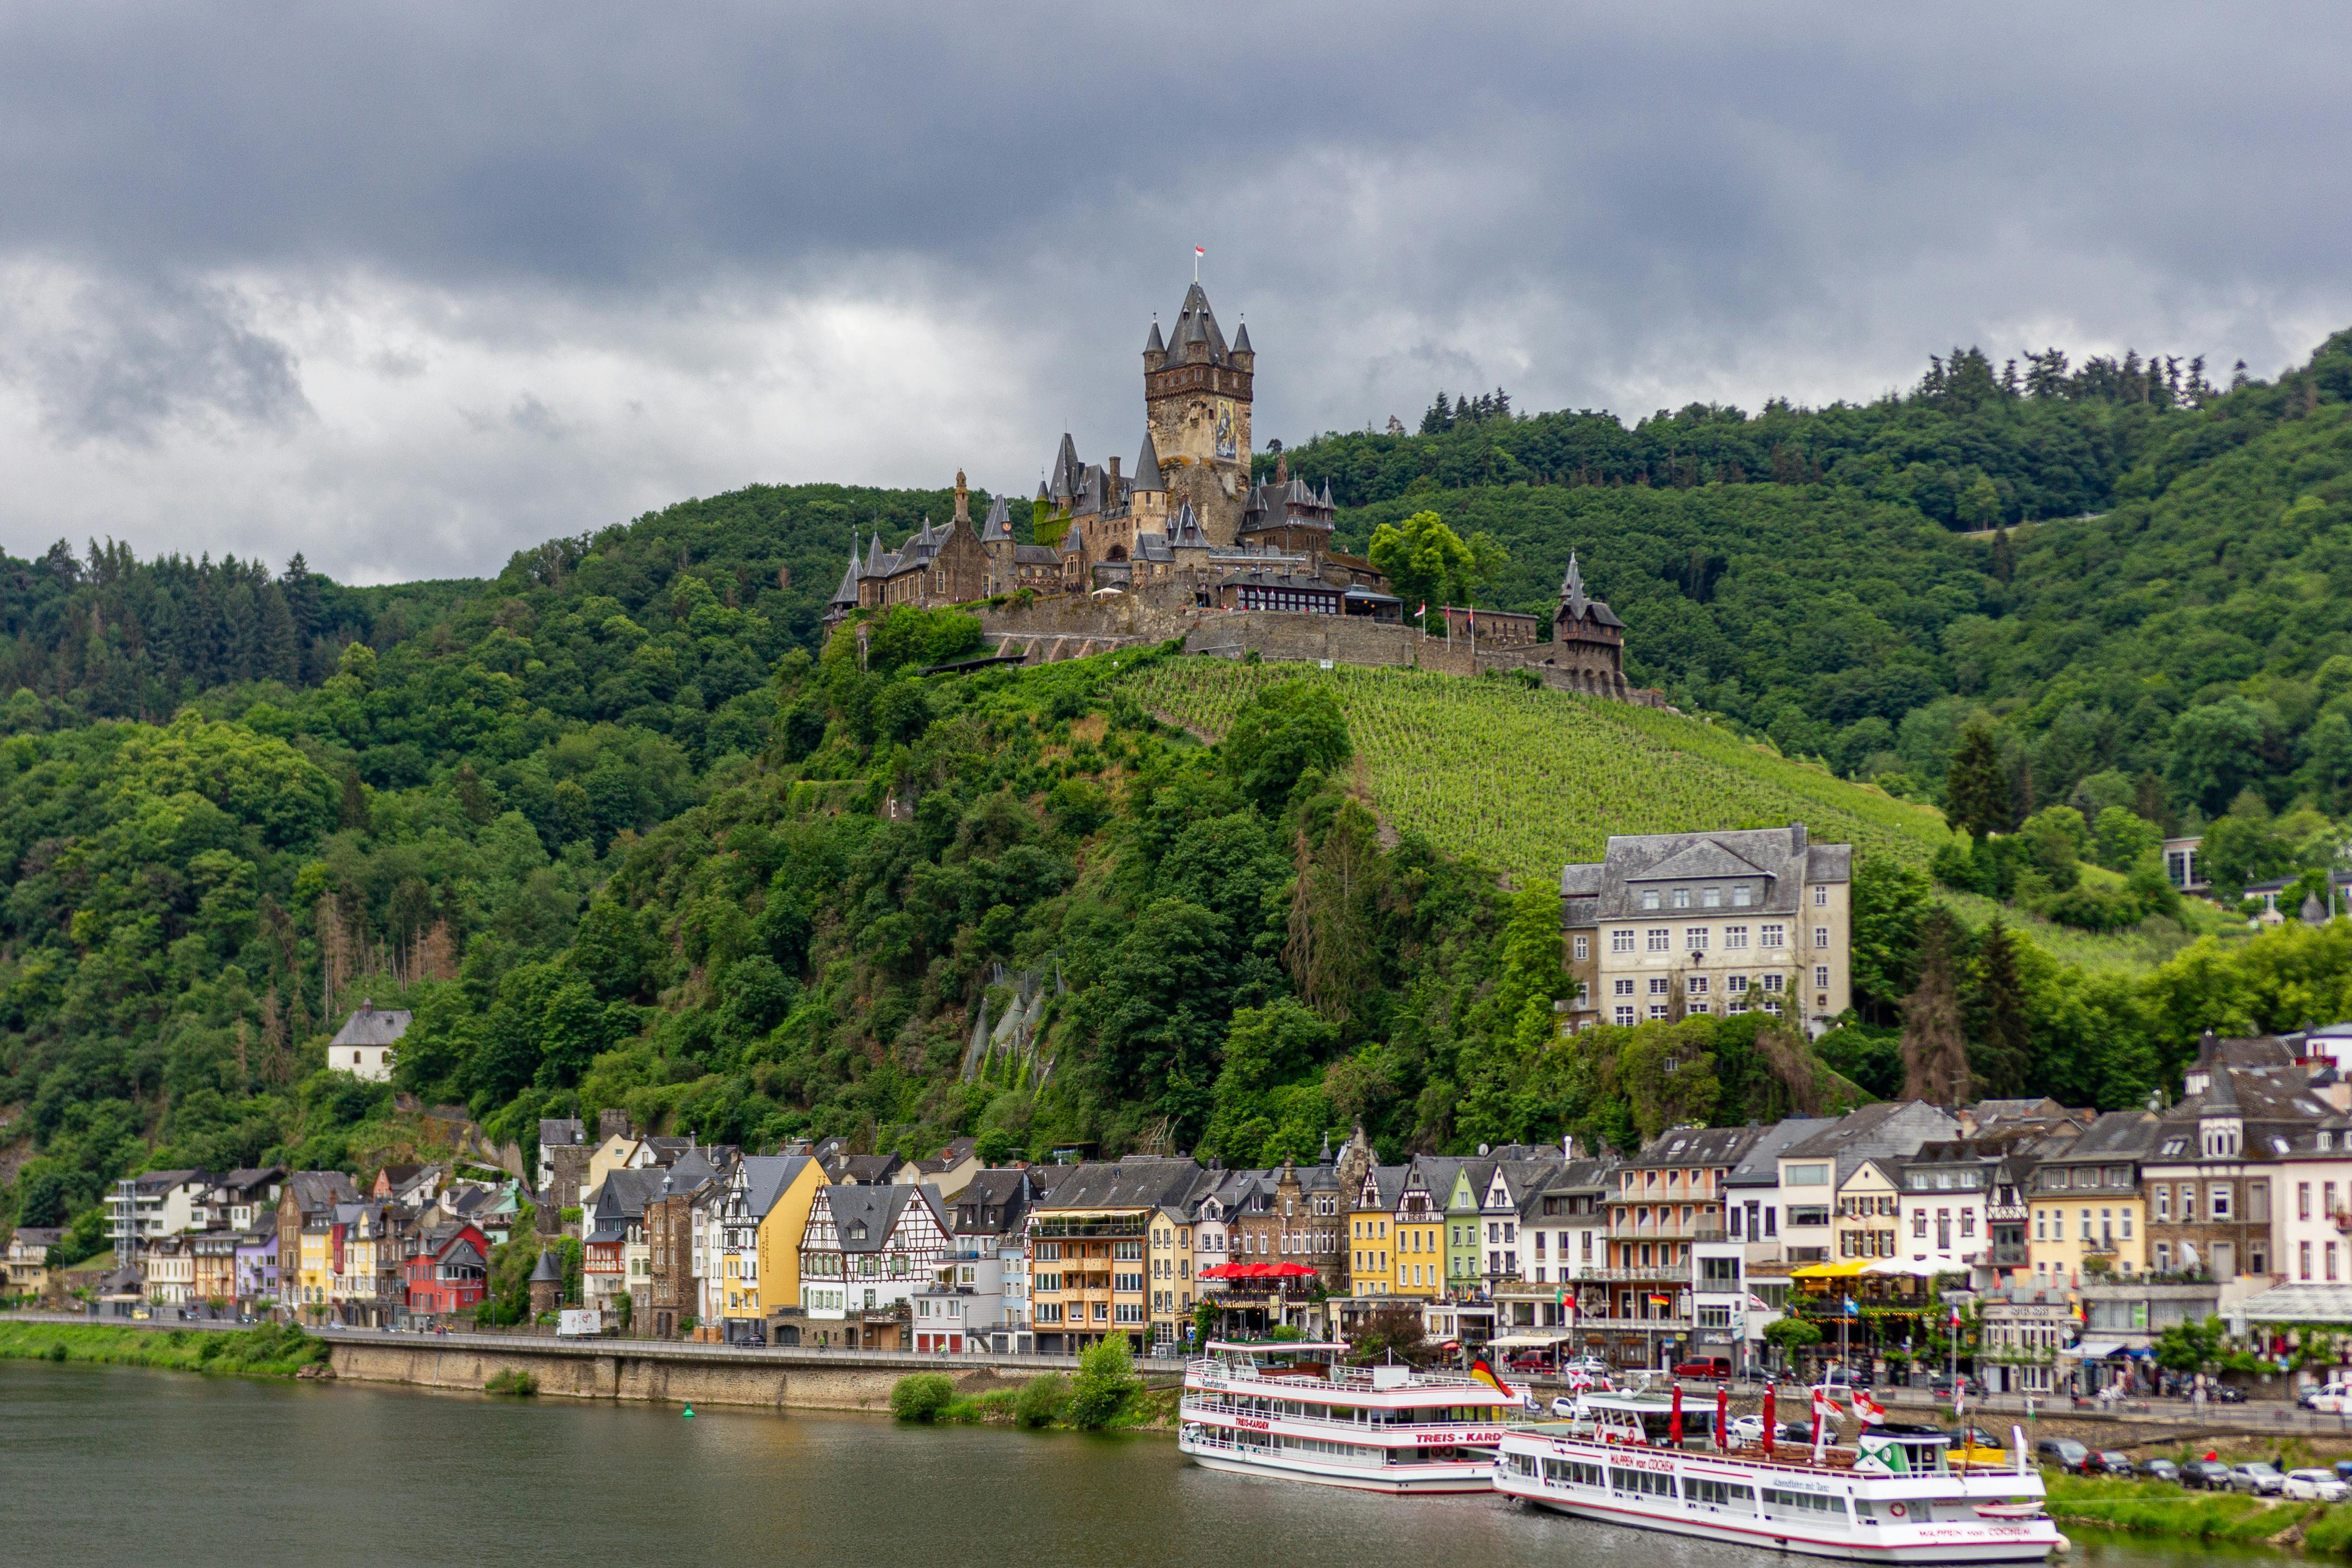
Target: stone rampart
{"x": 1057, "y": 627}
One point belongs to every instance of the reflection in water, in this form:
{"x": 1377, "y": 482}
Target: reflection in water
{"x": 116, "y": 1465}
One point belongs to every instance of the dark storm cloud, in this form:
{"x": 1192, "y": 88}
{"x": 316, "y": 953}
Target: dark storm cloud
{"x": 330, "y": 228}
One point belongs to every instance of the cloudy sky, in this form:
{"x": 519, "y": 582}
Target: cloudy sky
{"x": 409, "y": 287}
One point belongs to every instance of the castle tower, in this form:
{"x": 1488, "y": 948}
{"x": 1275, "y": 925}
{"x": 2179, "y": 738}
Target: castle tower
{"x": 1588, "y": 640}
{"x": 1146, "y": 493}
{"x": 844, "y": 598}
{"x": 996, "y": 540}
{"x": 1196, "y": 401}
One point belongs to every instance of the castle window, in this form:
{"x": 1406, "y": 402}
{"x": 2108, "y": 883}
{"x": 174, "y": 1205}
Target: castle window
{"x": 1621, "y": 940}
{"x": 1710, "y": 898}
{"x": 1734, "y": 939}
{"x": 1649, "y": 897}
{"x": 1661, "y": 938}
{"x": 1681, "y": 898}
{"x": 1739, "y": 896}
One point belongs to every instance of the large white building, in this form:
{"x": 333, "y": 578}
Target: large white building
{"x": 1669, "y": 925}
{"x": 365, "y": 1045}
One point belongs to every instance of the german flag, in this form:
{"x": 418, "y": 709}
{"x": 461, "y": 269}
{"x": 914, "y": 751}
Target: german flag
{"x": 1486, "y": 1374}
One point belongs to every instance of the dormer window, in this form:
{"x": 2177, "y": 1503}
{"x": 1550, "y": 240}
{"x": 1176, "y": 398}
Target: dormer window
{"x": 1710, "y": 898}
{"x": 2327, "y": 1140}
{"x": 1740, "y": 897}
{"x": 1681, "y": 898}
{"x": 1649, "y": 897}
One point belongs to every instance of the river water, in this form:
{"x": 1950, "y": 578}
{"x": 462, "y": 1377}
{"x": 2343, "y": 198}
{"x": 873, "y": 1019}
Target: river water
{"x": 119, "y": 1465}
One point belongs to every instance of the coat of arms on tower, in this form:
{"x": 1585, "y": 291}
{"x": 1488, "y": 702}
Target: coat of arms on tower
{"x": 1227, "y": 446}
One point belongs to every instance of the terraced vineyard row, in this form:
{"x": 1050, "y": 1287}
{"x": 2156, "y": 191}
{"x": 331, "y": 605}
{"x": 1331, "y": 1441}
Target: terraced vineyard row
{"x": 1527, "y": 780}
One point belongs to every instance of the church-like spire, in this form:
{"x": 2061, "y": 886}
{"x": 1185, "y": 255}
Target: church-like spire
{"x": 846, "y": 593}
{"x": 1197, "y": 334}
{"x": 1154, "y": 343}
{"x": 874, "y": 556}
{"x": 1241, "y": 338}
{"x": 1067, "y": 471}
{"x": 1147, "y": 468}
{"x": 997, "y": 529}
{"x": 1571, "y": 587}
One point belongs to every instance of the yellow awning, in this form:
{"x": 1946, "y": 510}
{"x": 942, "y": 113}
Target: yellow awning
{"x": 1829, "y": 1270}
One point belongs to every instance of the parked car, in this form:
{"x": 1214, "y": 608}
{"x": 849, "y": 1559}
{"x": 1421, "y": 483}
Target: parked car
{"x": 1973, "y": 1447}
{"x": 1563, "y": 1407}
{"x": 2064, "y": 1452}
{"x": 1796, "y": 1431}
{"x": 2316, "y": 1486}
{"x": 1843, "y": 1377}
{"x": 2331, "y": 1398}
{"x": 1589, "y": 1363}
{"x": 2205, "y": 1475}
{"x": 2111, "y": 1462}
{"x": 2225, "y": 1394}
{"x": 1747, "y": 1429}
{"x": 1708, "y": 1366}
{"x": 2161, "y": 1470}
{"x": 2257, "y": 1478}
{"x": 1943, "y": 1385}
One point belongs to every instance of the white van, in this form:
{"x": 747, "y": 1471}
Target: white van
{"x": 2330, "y": 1398}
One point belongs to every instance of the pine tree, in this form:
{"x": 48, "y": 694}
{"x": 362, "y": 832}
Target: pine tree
{"x": 1976, "y": 789}
{"x": 1438, "y": 417}
{"x": 2004, "y": 557}
{"x": 1935, "y": 1054}
{"x": 2003, "y": 1055}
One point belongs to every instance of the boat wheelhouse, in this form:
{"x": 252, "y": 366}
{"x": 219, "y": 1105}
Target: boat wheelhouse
{"x": 1293, "y": 1410}
{"x": 1891, "y": 1496}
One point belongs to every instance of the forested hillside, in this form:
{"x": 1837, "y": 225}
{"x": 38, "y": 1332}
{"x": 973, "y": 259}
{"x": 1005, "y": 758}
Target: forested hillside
{"x": 2171, "y": 653}
{"x": 622, "y": 834}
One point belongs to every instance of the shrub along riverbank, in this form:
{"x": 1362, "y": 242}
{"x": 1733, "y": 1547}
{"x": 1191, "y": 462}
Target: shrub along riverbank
{"x": 2159, "y": 1508}
{"x": 1106, "y": 1393}
{"x": 270, "y": 1351}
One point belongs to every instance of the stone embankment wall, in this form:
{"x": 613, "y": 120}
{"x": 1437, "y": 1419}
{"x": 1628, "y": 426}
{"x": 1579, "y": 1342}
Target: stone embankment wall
{"x": 668, "y": 1373}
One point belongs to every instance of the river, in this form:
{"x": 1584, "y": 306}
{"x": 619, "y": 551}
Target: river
{"x": 119, "y": 1465}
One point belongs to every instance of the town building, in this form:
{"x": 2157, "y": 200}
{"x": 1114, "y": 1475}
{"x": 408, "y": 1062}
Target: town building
{"x": 2209, "y": 1181}
{"x": 447, "y": 1271}
{"x": 1675, "y": 924}
{"x": 1089, "y": 1240}
{"x": 762, "y": 1221}
{"x": 2088, "y": 1219}
{"x": 367, "y": 1045}
{"x": 29, "y": 1259}
{"x": 865, "y": 1250}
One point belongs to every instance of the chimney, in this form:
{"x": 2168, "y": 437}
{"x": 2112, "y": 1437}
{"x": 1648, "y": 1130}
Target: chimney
{"x": 1113, "y": 477}
{"x": 1796, "y": 838}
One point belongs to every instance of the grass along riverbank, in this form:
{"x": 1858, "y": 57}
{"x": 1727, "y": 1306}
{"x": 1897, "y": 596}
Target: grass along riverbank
{"x": 2159, "y": 1508}
{"x": 270, "y": 1351}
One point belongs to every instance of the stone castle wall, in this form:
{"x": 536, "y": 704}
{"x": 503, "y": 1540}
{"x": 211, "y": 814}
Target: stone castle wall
{"x": 1059, "y": 627}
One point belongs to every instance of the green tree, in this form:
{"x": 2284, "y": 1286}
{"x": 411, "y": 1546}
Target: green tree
{"x": 2123, "y": 837}
{"x": 1280, "y": 737}
{"x": 2190, "y": 1346}
{"x": 1791, "y": 1336}
{"x": 1976, "y": 787}
{"x": 1388, "y": 1331}
{"x": 1043, "y": 1400}
{"x": 921, "y": 1397}
{"x": 2001, "y": 1062}
{"x": 1105, "y": 1384}
{"x": 1429, "y": 564}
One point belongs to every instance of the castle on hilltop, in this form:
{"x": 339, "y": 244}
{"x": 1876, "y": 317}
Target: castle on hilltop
{"x": 1187, "y": 532}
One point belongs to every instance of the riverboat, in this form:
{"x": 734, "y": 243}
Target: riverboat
{"x": 1890, "y": 1497}
{"x": 1293, "y": 1410}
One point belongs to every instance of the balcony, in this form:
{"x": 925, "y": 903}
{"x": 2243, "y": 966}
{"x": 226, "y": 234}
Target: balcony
{"x": 1053, "y": 1229}
{"x": 2007, "y": 1256}
{"x": 1672, "y": 1231}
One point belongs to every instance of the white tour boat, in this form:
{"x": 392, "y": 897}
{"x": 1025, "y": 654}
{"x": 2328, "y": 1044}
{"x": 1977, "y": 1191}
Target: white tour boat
{"x": 1890, "y": 1497}
{"x": 1293, "y": 1410}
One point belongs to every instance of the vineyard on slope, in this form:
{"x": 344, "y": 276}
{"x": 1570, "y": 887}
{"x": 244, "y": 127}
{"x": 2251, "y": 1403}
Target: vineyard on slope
{"x": 1526, "y": 780}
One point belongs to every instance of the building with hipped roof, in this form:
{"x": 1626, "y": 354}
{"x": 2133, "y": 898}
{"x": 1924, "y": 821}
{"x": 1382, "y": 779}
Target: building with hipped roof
{"x": 2084, "y": 1196}
{"x": 763, "y": 1216}
{"x": 1670, "y": 925}
{"x": 367, "y": 1045}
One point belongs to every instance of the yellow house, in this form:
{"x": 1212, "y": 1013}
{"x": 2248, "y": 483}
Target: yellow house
{"x": 1417, "y": 1262}
{"x": 1170, "y": 1272}
{"x": 317, "y": 1274}
{"x": 2086, "y": 1214}
{"x": 617, "y": 1152}
{"x": 1371, "y": 1232}
{"x": 764, "y": 1215}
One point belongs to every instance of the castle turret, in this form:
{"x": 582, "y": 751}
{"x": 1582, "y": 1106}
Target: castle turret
{"x": 1155, "y": 352}
{"x": 1197, "y": 407}
{"x": 844, "y": 598}
{"x": 1588, "y": 640}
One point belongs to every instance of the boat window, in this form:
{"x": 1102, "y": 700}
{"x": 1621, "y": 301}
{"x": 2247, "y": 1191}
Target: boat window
{"x": 1653, "y": 1482}
{"x": 1719, "y": 1494}
{"x": 1779, "y": 1502}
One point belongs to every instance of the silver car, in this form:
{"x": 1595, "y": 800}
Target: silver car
{"x": 2257, "y": 1478}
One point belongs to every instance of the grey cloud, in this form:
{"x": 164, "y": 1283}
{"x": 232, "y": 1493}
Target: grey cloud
{"x": 1604, "y": 205}
{"x": 118, "y": 361}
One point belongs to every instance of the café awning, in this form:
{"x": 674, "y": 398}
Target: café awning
{"x": 1829, "y": 1270}
{"x": 1533, "y": 1338}
{"x": 1258, "y": 1271}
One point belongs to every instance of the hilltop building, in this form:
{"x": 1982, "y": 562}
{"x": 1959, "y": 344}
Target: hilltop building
{"x": 1671, "y": 924}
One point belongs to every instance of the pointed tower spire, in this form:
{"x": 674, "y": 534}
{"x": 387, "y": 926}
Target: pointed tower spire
{"x": 1067, "y": 471}
{"x": 962, "y": 499}
{"x": 1147, "y": 468}
{"x": 997, "y": 528}
{"x": 1571, "y": 587}
{"x": 846, "y": 595}
{"x": 1154, "y": 344}
{"x": 1241, "y": 337}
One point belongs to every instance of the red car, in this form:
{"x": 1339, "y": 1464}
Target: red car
{"x": 1705, "y": 1366}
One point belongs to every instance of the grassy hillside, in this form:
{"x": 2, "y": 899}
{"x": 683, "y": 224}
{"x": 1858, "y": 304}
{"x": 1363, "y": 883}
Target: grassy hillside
{"x": 1526, "y": 781}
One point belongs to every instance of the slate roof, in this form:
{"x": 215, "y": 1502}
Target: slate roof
{"x": 1786, "y": 857}
{"x": 997, "y": 528}
{"x": 1760, "y": 1166}
{"x": 1184, "y": 529}
{"x": 1155, "y": 343}
{"x": 864, "y": 1216}
{"x": 547, "y": 1271}
{"x": 1579, "y": 604}
{"x": 1678, "y": 1147}
{"x": 1892, "y": 1129}
{"x": 561, "y": 1131}
{"x": 373, "y": 1025}
{"x": 765, "y": 1177}
{"x": 1136, "y": 1182}
{"x": 847, "y": 593}
{"x": 1063, "y": 482}
{"x": 1146, "y": 463}
{"x": 2118, "y": 1134}
{"x": 1197, "y": 333}
{"x": 1035, "y": 556}
{"x": 318, "y": 1191}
